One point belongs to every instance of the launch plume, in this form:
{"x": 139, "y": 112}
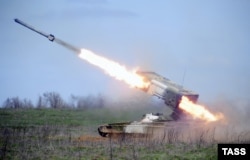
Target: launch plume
{"x": 198, "y": 111}
{"x": 114, "y": 69}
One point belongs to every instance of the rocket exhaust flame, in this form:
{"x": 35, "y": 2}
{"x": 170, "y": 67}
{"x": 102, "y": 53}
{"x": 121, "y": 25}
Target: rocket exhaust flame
{"x": 114, "y": 69}
{"x": 198, "y": 111}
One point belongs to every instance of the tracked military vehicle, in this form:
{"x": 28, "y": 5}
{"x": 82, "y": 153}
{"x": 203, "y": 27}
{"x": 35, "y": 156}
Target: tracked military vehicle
{"x": 162, "y": 88}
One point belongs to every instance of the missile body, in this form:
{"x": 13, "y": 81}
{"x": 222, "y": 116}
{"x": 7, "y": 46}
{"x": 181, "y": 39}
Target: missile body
{"x": 51, "y": 37}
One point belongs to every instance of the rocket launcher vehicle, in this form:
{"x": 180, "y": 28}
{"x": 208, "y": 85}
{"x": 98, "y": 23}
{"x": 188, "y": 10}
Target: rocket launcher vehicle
{"x": 168, "y": 91}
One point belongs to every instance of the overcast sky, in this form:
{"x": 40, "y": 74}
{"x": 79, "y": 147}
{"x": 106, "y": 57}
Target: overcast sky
{"x": 209, "y": 41}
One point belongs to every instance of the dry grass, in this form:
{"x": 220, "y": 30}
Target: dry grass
{"x": 54, "y": 142}
{"x": 83, "y": 142}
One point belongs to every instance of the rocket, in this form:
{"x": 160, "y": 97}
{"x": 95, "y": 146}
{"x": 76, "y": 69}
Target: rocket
{"x": 51, "y": 37}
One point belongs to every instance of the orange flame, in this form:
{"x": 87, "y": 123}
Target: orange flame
{"x": 114, "y": 69}
{"x": 198, "y": 111}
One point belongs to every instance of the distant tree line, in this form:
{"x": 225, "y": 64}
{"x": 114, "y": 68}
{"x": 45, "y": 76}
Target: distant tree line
{"x": 54, "y": 100}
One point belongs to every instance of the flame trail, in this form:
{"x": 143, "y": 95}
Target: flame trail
{"x": 114, "y": 69}
{"x": 198, "y": 111}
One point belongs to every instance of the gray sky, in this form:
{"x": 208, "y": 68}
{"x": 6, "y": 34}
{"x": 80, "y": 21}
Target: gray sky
{"x": 209, "y": 40}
